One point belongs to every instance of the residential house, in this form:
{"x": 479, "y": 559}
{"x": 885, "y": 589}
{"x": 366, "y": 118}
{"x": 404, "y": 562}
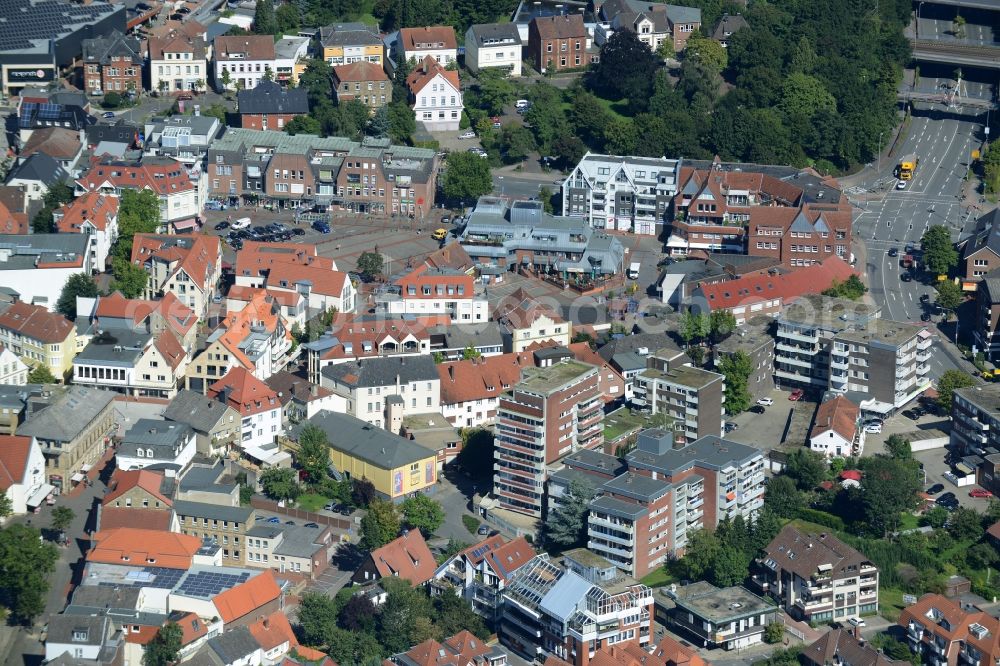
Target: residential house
{"x": 166, "y": 314}
{"x": 730, "y": 618}
{"x": 817, "y": 577}
{"x": 112, "y": 63}
{"x": 382, "y": 391}
{"x": 842, "y": 646}
{"x": 435, "y": 434}
{"x": 621, "y": 193}
{"x": 178, "y": 62}
{"x": 188, "y": 267}
{"x": 73, "y": 429}
{"x": 181, "y": 198}
{"x": 363, "y": 81}
{"x": 355, "y": 337}
{"x": 300, "y": 549}
{"x": 61, "y": 144}
{"x": 754, "y": 339}
{"x": 692, "y": 397}
{"x": 259, "y": 408}
{"x": 247, "y": 602}
{"x": 559, "y": 608}
{"x": 493, "y": 45}
{"x": 185, "y": 139}
{"x": 437, "y": 42}
{"x": 987, "y": 319}
{"x": 291, "y": 305}
{"x": 344, "y": 43}
{"x": 13, "y": 371}
{"x": 728, "y": 26}
{"x": 981, "y": 252}
{"x": 300, "y": 398}
{"x": 36, "y": 174}
{"x": 227, "y": 526}
{"x": 525, "y": 321}
{"x": 36, "y": 267}
{"x": 290, "y": 54}
{"x": 275, "y": 636}
{"x": 14, "y": 209}
{"x": 837, "y": 430}
{"x": 113, "y": 140}
{"x": 94, "y": 215}
{"x": 269, "y": 106}
{"x": 433, "y": 291}
{"x": 462, "y": 649}
{"x": 14, "y": 404}
{"x": 559, "y": 42}
{"x": 248, "y": 59}
{"x": 947, "y": 631}
{"x": 52, "y": 106}
{"x": 217, "y": 426}
{"x": 406, "y": 557}
{"x": 149, "y": 442}
{"x": 397, "y": 467}
{"x": 38, "y": 336}
{"x": 22, "y": 473}
{"x": 652, "y": 22}
{"x": 471, "y": 389}
{"x": 137, "y": 499}
{"x": 480, "y": 573}
{"x": 93, "y": 638}
{"x": 436, "y": 95}
{"x": 232, "y": 648}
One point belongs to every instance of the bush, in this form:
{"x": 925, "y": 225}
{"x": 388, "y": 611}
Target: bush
{"x": 470, "y": 523}
{"x": 822, "y": 518}
{"x": 774, "y": 633}
{"x": 112, "y": 100}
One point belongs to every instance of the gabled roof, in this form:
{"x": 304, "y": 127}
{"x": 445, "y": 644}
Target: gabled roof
{"x": 93, "y": 208}
{"x": 39, "y": 167}
{"x": 101, "y": 49}
{"x": 56, "y": 142}
{"x": 453, "y": 255}
{"x": 244, "y": 47}
{"x": 170, "y": 349}
{"x": 481, "y": 378}
{"x": 273, "y": 630}
{"x": 363, "y": 441}
{"x": 269, "y": 97}
{"x": 385, "y": 371}
{"x": 349, "y": 34}
{"x": 756, "y": 287}
{"x": 247, "y": 597}
{"x": 803, "y": 553}
{"x": 509, "y": 557}
{"x": 495, "y": 34}
{"x": 196, "y": 410}
{"x": 947, "y": 619}
{"x": 177, "y": 317}
{"x": 113, "y": 517}
{"x": 161, "y": 175}
{"x": 36, "y": 322}
{"x": 987, "y": 236}
{"x": 138, "y": 547}
{"x": 840, "y": 645}
{"x": 567, "y": 26}
{"x": 14, "y": 451}
{"x": 406, "y": 557}
{"x": 520, "y": 309}
{"x": 361, "y": 70}
{"x": 327, "y": 282}
{"x": 256, "y": 258}
{"x": 123, "y": 481}
{"x": 292, "y": 387}
{"x": 194, "y": 255}
{"x": 428, "y": 38}
{"x": 427, "y": 71}
{"x": 839, "y": 415}
{"x": 245, "y": 393}
{"x": 176, "y": 42}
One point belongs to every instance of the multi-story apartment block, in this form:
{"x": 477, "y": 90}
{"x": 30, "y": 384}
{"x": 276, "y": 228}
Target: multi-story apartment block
{"x": 363, "y": 81}
{"x": 571, "y": 608}
{"x": 975, "y": 422}
{"x": 37, "y": 336}
{"x": 817, "y": 577}
{"x": 524, "y": 235}
{"x": 694, "y": 397}
{"x": 96, "y": 216}
{"x": 371, "y": 176}
{"x": 178, "y": 61}
{"x": 559, "y": 42}
{"x": 433, "y": 291}
{"x": 269, "y": 106}
{"x": 13, "y": 371}
{"x": 112, "y": 63}
{"x": 949, "y": 631}
{"x": 525, "y": 322}
{"x": 259, "y": 408}
{"x": 436, "y": 95}
{"x": 845, "y": 346}
{"x": 480, "y": 573}
{"x": 552, "y": 412}
{"x": 493, "y": 45}
{"x": 227, "y": 526}
{"x": 755, "y": 340}
{"x": 437, "y": 42}
{"x": 290, "y": 54}
{"x": 37, "y": 266}
{"x": 189, "y": 267}
{"x": 382, "y": 391}
{"x": 621, "y": 193}
{"x": 180, "y": 194}
{"x": 249, "y": 59}
{"x": 344, "y": 43}
{"x": 652, "y": 22}
{"x": 732, "y": 618}
{"x": 987, "y": 323}
{"x": 645, "y": 515}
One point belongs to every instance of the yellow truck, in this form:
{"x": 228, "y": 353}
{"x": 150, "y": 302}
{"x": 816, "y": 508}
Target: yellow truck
{"x": 440, "y": 234}
{"x": 907, "y": 165}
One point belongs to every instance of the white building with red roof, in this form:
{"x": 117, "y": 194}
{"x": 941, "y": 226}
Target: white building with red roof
{"x": 259, "y": 408}
{"x": 471, "y": 389}
{"x": 837, "y": 430}
{"x": 480, "y": 572}
{"x": 187, "y": 266}
{"x": 22, "y": 473}
{"x": 94, "y": 214}
{"x": 297, "y": 269}
{"x": 436, "y": 95}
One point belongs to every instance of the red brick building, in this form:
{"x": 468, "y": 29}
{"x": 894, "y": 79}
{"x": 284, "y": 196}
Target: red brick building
{"x": 112, "y": 63}
{"x": 558, "y": 42}
{"x": 271, "y": 107}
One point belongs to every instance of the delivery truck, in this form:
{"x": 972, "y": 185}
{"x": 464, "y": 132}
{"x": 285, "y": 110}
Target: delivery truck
{"x": 633, "y": 270}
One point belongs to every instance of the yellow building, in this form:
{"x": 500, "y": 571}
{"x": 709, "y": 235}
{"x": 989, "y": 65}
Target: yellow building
{"x": 396, "y": 466}
{"x": 38, "y": 336}
{"x": 345, "y": 43}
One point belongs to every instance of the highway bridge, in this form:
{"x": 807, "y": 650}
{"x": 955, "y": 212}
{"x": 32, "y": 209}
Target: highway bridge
{"x": 944, "y": 98}
{"x": 968, "y": 55}
{"x": 993, "y": 5}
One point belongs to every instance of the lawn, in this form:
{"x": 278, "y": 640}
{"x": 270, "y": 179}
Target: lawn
{"x": 470, "y": 523}
{"x": 615, "y": 108}
{"x": 890, "y": 602}
{"x": 312, "y": 502}
{"x": 622, "y": 421}
{"x": 659, "y": 578}
{"x": 907, "y": 521}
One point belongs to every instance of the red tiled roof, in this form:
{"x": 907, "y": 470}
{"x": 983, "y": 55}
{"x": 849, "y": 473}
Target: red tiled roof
{"x": 59, "y": 143}
{"x": 324, "y": 281}
{"x": 178, "y": 317}
{"x": 247, "y": 597}
{"x": 195, "y": 261}
{"x": 288, "y": 299}
{"x": 428, "y": 37}
{"x": 756, "y": 287}
{"x": 839, "y": 415}
{"x": 169, "y": 347}
{"x": 520, "y": 309}
{"x": 954, "y": 626}
{"x": 141, "y": 547}
{"x": 480, "y": 378}
{"x": 164, "y": 178}
{"x": 255, "y": 257}
{"x": 560, "y": 27}
{"x": 247, "y": 394}
{"x": 244, "y": 47}
{"x": 261, "y": 312}
{"x": 510, "y": 557}
{"x": 94, "y": 207}
{"x": 407, "y": 557}
{"x": 361, "y": 70}
{"x": 114, "y": 517}
{"x": 452, "y": 256}
{"x": 123, "y": 481}
{"x": 851, "y": 475}
{"x": 35, "y": 322}
{"x": 426, "y": 71}
{"x": 273, "y": 630}
{"x": 192, "y": 628}
{"x": 13, "y": 210}
{"x": 14, "y": 450}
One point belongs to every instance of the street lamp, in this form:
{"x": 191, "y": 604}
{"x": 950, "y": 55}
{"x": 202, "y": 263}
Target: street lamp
{"x": 878, "y": 169}
{"x": 917, "y": 27}
{"x": 501, "y": 185}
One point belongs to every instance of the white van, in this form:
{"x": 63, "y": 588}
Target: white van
{"x": 241, "y": 223}
{"x": 522, "y": 104}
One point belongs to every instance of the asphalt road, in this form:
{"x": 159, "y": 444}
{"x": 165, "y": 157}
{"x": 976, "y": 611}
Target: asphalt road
{"x": 937, "y": 23}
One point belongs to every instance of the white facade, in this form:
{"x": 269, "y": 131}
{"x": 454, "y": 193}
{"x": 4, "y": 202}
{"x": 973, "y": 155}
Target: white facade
{"x": 248, "y": 73}
{"x": 344, "y": 302}
{"x": 260, "y": 429}
{"x": 461, "y": 310}
{"x": 175, "y": 205}
{"x": 833, "y": 445}
{"x": 369, "y": 404}
{"x": 12, "y": 369}
{"x": 471, "y": 413}
{"x": 150, "y": 456}
{"x": 541, "y": 329}
{"x": 180, "y": 71}
{"x": 31, "y": 482}
{"x": 41, "y": 286}
{"x": 150, "y": 375}
{"x": 35, "y": 189}
{"x": 438, "y": 105}
{"x": 505, "y": 53}
{"x": 101, "y": 241}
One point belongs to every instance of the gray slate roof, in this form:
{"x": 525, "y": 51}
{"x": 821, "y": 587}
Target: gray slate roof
{"x": 156, "y": 433}
{"x": 39, "y": 167}
{"x": 299, "y": 541}
{"x": 233, "y": 645}
{"x": 495, "y": 34}
{"x": 364, "y": 441}
{"x": 118, "y": 347}
{"x": 269, "y": 97}
{"x": 709, "y": 451}
{"x": 61, "y": 628}
{"x": 637, "y": 486}
{"x": 383, "y": 371}
{"x": 348, "y": 34}
{"x": 198, "y": 411}
{"x": 68, "y": 415}
{"x": 212, "y": 511}
{"x": 988, "y": 235}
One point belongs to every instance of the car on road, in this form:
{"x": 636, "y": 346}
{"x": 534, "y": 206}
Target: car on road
{"x": 905, "y": 277}
{"x": 483, "y": 530}
{"x": 222, "y": 225}
{"x": 796, "y": 395}
{"x": 310, "y": 525}
{"x": 925, "y": 298}
{"x": 298, "y": 232}
{"x": 439, "y": 234}
{"x": 857, "y": 621}
{"x": 274, "y": 520}
{"x": 912, "y": 414}
{"x": 935, "y": 489}
{"x": 467, "y": 135}
{"x": 108, "y": 114}
{"x": 980, "y": 493}
{"x": 241, "y": 223}
{"x": 522, "y": 104}
{"x": 765, "y": 402}
{"x": 893, "y": 251}
{"x": 757, "y": 409}
{"x": 925, "y": 316}
{"x": 321, "y": 226}
{"x": 289, "y": 522}
{"x": 901, "y": 184}
{"x": 873, "y": 428}
{"x": 731, "y": 426}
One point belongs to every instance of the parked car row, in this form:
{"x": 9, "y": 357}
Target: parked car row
{"x": 271, "y": 233}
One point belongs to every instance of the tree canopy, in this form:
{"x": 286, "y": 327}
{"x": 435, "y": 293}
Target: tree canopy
{"x": 370, "y": 264}
{"x": 279, "y": 483}
{"x": 566, "y": 525}
{"x": 947, "y": 383}
{"x": 138, "y": 213}
{"x": 78, "y": 284}
{"x": 940, "y": 255}
{"x": 737, "y": 368}
{"x": 466, "y": 177}
{"x": 314, "y": 453}
{"x": 380, "y": 525}
{"x": 25, "y": 565}
{"x": 422, "y": 513}
{"x": 852, "y": 288}
{"x": 163, "y": 649}
{"x": 949, "y": 296}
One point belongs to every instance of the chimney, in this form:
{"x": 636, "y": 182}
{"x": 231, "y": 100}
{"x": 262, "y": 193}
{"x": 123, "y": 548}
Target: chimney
{"x": 451, "y": 373}
{"x": 313, "y": 390}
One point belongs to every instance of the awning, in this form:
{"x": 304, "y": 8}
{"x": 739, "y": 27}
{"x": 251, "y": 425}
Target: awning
{"x": 39, "y": 495}
{"x": 76, "y": 478}
{"x": 184, "y": 224}
{"x": 85, "y": 468}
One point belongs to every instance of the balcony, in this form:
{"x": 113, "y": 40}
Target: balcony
{"x": 923, "y": 356}
{"x": 596, "y": 519}
{"x": 794, "y": 349}
{"x": 609, "y": 547}
{"x": 801, "y": 336}
{"x": 840, "y": 365}
{"x": 613, "y": 539}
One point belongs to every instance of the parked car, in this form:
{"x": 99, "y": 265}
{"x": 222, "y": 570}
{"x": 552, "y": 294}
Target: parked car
{"x": 873, "y": 428}
{"x": 893, "y": 251}
{"x": 911, "y": 414}
{"x": 330, "y": 506}
{"x": 483, "y": 530}
{"x": 108, "y": 114}
{"x": 241, "y": 223}
{"x": 757, "y": 409}
{"x": 935, "y": 489}
{"x": 946, "y": 499}
{"x": 980, "y": 493}
{"x": 905, "y": 277}
{"x": 731, "y": 426}
{"x": 857, "y": 621}
{"x": 765, "y": 402}
{"x": 274, "y": 520}
{"x": 298, "y": 232}
{"x": 289, "y": 522}
{"x": 345, "y": 511}
{"x": 467, "y": 135}
{"x": 926, "y": 316}
{"x": 796, "y": 395}
{"x": 222, "y": 225}
{"x": 522, "y": 104}
{"x": 311, "y": 525}
{"x": 321, "y": 226}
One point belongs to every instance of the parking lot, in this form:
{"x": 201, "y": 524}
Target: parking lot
{"x": 783, "y": 426}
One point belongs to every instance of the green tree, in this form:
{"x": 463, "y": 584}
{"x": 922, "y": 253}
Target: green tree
{"x": 782, "y": 497}
{"x": 363, "y": 492}
{"x": 112, "y": 100}
{"x": 358, "y": 614}
{"x": 991, "y": 169}
{"x": 287, "y": 19}
{"x": 708, "y": 51}
{"x": 940, "y": 255}
{"x": 807, "y": 468}
{"x": 40, "y": 374}
{"x": 737, "y": 367}
{"x": 6, "y": 506}
{"x": 264, "y": 20}
{"x": 353, "y": 647}
{"x": 566, "y": 524}
{"x": 626, "y": 69}
{"x": 898, "y": 446}
{"x": 25, "y": 565}
{"x": 852, "y": 288}
{"x": 730, "y": 566}
{"x": 453, "y": 614}
{"x": 379, "y": 124}
{"x": 226, "y": 78}
{"x": 476, "y": 456}
{"x": 314, "y": 453}
{"x": 57, "y": 196}
{"x": 965, "y": 525}
{"x": 774, "y": 633}
{"x": 516, "y": 143}
{"x": 700, "y": 555}
{"x": 279, "y": 483}
{"x": 129, "y": 278}
{"x": 981, "y": 556}
{"x": 246, "y": 494}
{"x": 370, "y": 264}
{"x": 949, "y": 296}
{"x": 805, "y": 96}
{"x": 546, "y": 196}
{"x": 889, "y": 486}
{"x": 317, "y": 615}
{"x": 138, "y": 213}
{"x": 165, "y": 646}
{"x": 470, "y": 353}
{"x": 494, "y": 91}
{"x": 936, "y": 517}
{"x": 62, "y": 517}
{"x": 405, "y": 616}
{"x": 695, "y": 326}
{"x": 379, "y": 526}
{"x": 402, "y": 123}
{"x": 78, "y": 284}
{"x": 466, "y": 177}
{"x": 422, "y": 513}
{"x": 721, "y": 323}
{"x": 947, "y": 383}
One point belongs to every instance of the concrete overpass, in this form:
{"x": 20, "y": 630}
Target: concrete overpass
{"x": 993, "y": 5}
{"x": 943, "y": 98}
{"x": 963, "y": 55}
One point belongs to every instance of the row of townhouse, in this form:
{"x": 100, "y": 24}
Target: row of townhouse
{"x": 433, "y": 291}
{"x": 187, "y": 266}
{"x": 371, "y": 176}
{"x": 294, "y": 268}
{"x": 39, "y": 337}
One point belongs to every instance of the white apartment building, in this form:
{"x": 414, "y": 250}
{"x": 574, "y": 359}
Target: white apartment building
{"x": 248, "y": 59}
{"x": 13, "y": 370}
{"x": 178, "y": 62}
{"x": 621, "y": 193}
{"x": 493, "y": 45}
{"x": 382, "y": 391}
{"x": 24, "y": 465}
{"x": 434, "y": 291}
{"x": 694, "y": 397}
{"x": 436, "y": 95}
{"x": 259, "y": 408}
{"x": 96, "y": 216}
{"x": 437, "y": 42}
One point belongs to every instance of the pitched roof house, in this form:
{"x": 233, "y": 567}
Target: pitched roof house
{"x": 406, "y": 557}
{"x": 837, "y": 429}
{"x": 188, "y": 266}
{"x": 139, "y": 547}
